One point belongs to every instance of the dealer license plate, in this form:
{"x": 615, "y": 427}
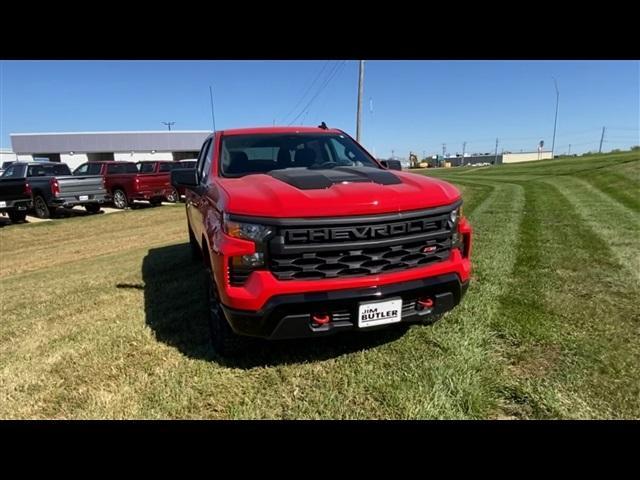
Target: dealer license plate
{"x": 375, "y": 313}
{"x": 83, "y": 197}
{"x": 3, "y": 204}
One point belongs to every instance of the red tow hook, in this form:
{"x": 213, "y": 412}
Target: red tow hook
{"x": 320, "y": 319}
{"x": 425, "y": 303}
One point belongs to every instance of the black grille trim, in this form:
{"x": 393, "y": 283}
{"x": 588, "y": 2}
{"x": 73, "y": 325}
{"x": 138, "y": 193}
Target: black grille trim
{"x": 338, "y": 259}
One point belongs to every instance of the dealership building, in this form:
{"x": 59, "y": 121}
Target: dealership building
{"x": 75, "y": 149}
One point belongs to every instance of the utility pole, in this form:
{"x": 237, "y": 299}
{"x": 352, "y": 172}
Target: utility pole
{"x": 464, "y": 146}
{"x": 168, "y": 124}
{"x": 601, "y": 140}
{"x": 569, "y": 150}
{"x": 392, "y": 154}
{"x": 360, "y": 88}
{"x": 555, "y": 122}
{"x": 495, "y": 160}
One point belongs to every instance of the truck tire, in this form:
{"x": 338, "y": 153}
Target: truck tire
{"x": 17, "y": 216}
{"x": 196, "y": 253}
{"x": 120, "y": 199}
{"x": 92, "y": 207}
{"x": 224, "y": 340}
{"x": 41, "y": 208}
{"x": 174, "y": 196}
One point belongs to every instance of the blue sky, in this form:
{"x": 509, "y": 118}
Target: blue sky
{"x": 408, "y": 105}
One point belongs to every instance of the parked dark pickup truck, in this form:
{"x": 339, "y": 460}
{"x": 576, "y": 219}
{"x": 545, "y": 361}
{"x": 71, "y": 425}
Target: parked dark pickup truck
{"x": 52, "y": 186}
{"x": 161, "y": 169}
{"x": 125, "y": 183}
{"x": 15, "y": 198}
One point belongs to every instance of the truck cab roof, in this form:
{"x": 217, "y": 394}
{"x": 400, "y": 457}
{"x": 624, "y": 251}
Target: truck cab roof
{"x": 276, "y": 130}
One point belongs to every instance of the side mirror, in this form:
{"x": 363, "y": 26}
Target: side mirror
{"x": 392, "y": 164}
{"x": 184, "y": 177}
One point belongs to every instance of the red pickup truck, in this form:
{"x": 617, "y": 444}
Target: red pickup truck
{"x": 304, "y": 234}
{"x": 161, "y": 169}
{"x": 125, "y": 183}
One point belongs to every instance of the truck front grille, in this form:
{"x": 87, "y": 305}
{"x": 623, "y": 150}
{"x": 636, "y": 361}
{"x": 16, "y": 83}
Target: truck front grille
{"x": 363, "y": 247}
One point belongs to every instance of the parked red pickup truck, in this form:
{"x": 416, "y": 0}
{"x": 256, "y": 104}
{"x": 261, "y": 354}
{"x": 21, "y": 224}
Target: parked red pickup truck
{"x": 305, "y": 234}
{"x": 162, "y": 169}
{"x": 125, "y": 183}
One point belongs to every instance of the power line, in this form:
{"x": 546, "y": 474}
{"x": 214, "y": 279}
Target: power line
{"x": 323, "y": 83}
{"x": 320, "y": 90}
{"x": 307, "y": 90}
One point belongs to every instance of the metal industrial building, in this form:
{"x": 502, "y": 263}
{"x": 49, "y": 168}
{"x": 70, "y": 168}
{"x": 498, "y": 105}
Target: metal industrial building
{"x": 77, "y": 148}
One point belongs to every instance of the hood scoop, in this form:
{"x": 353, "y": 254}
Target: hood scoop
{"x": 307, "y": 179}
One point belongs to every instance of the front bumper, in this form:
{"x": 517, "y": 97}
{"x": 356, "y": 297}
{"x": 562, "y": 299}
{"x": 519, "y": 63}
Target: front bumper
{"x": 289, "y": 316}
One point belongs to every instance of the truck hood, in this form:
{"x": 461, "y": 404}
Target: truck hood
{"x": 333, "y": 192}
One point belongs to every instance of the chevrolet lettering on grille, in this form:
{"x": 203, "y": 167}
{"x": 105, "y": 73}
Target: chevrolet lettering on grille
{"x": 364, "y": 232}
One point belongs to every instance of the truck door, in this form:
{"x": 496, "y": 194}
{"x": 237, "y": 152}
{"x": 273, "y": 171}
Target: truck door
{"x": 195, "y": 198}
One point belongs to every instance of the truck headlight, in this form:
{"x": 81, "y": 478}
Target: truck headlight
{"x": 454, "y": 217}
{"x": 247, "y": 231}
{"x": 242, "y": 265}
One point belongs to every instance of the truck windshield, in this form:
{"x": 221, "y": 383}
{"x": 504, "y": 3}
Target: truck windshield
{"x": 262, "y": 153}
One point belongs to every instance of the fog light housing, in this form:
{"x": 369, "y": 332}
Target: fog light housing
{"x": 242, "y": 265}
{"x": 252, "y": 260}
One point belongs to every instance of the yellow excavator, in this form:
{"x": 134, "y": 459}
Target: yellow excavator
{"x": 415, "y": 163}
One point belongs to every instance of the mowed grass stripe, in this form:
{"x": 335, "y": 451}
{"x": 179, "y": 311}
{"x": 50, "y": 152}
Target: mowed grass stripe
{"x": 622, "y": 184}
{"x": 568, "y": 320}
{"x": 32, "y": 247}
{"x": 614, "y": 223}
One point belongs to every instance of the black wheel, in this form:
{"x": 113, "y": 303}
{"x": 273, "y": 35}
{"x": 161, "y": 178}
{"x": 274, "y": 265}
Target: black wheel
{"x": 40, "y": 207}
{"x": 17, "y": 216}
{"x": 92, "y": 207}
{"x": 174, "y": 196}
{"x": 120, "y": 199}
{"x": 196, "y": 253}
{"x": 224, "y": 340}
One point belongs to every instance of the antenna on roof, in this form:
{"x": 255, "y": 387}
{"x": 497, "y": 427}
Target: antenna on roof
{"x": 213, "y": 118}
{"x": 323, "y": 126}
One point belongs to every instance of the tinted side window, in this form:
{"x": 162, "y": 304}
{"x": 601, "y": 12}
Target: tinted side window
{"x": 166, "y": 167}
{"x": 15, "y": 171}
{"x": 94, "y": 168}
{"x": 146, "y": 167}
{"x": 206, "y": 164}
{"x": 203, "y": 155}
{"x": 81, "y": 170}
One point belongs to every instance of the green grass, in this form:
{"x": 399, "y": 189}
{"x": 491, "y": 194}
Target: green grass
{"x": 103, "y": 317}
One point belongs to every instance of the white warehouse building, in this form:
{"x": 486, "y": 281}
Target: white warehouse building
{"x": 75, "y": 149}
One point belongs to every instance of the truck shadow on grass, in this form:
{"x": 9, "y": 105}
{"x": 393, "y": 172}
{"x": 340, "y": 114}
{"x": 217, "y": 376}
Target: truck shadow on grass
{"x": 175, "y": 307}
